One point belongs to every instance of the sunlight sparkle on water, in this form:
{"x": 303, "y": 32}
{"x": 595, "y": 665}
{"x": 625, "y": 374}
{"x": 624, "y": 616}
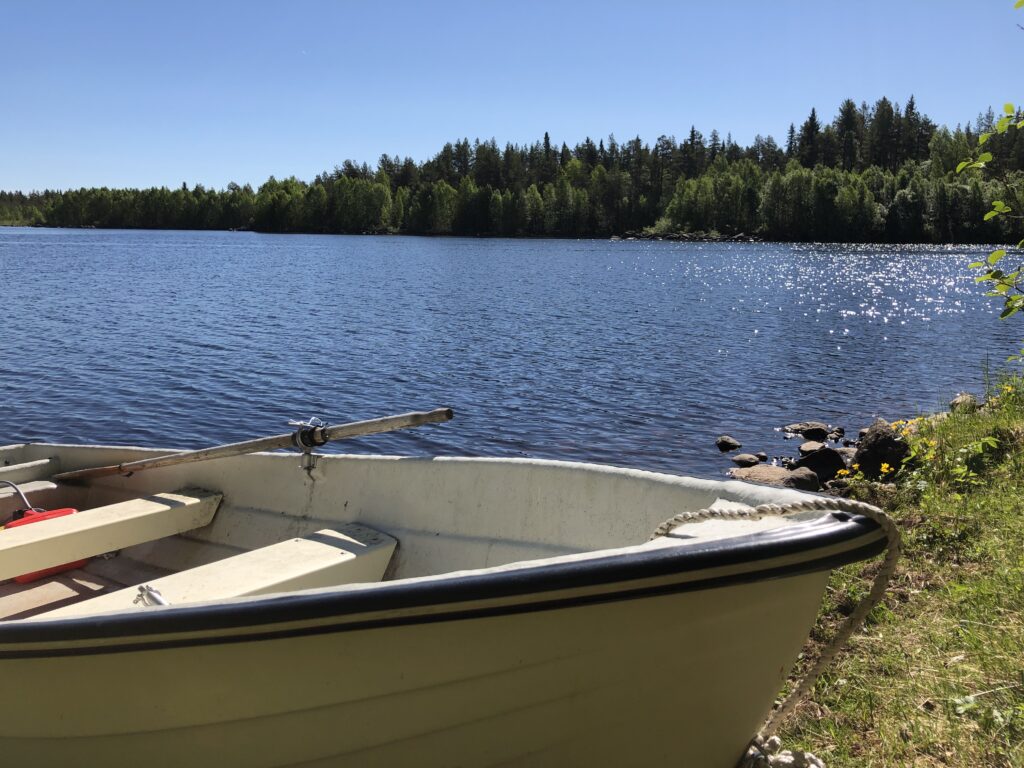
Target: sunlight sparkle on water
{"x": 632, "y": 353}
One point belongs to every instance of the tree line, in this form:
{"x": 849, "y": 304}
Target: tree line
{"x": 881, "y": 173}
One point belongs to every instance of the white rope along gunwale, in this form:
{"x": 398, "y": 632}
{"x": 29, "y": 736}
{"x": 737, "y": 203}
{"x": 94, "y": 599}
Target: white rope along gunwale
{"x": 764, "y": 748}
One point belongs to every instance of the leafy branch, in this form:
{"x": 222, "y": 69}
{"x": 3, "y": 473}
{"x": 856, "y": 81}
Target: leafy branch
{"x": 1007, "y": 285}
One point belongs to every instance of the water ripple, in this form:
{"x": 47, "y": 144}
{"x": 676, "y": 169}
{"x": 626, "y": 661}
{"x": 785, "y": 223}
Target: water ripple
{"x": 634, "y": 353}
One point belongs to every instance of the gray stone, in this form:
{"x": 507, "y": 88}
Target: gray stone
{"x": 766, "y": 474}
{"x": 848, "y": 453}
{"x": 761, "y": 456}
{"x": 965, "y": 402}
{"x": 802, "y": 479}
{"x": 809, "y": 430}
{"x": 880, "y": 445}
{"x": 745, "y": 459}
{"x": 824, "y": 462}
{"x": 727, "y": 443}
{"x": 810, "y": 447}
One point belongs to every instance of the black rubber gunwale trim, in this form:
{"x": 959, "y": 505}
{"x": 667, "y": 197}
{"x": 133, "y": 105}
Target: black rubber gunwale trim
{"x": 794, "y": 569}
{"x": 862, "y": 536}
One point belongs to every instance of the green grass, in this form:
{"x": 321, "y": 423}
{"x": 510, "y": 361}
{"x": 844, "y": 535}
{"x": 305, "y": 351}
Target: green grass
{"x": 936, "y": 678}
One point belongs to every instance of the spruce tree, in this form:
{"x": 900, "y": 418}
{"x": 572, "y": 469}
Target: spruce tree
{"x": 882, "y": 135}
{"x": 808, "y": 150}
{"x": 849, "y": 128}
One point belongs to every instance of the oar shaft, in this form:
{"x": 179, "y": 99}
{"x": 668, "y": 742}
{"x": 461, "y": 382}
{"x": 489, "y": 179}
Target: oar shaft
{"x": 321, "y": 435}
{"x": 386, "y": 424}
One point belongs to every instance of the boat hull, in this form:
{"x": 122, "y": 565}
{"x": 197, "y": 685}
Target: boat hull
{"x": 525, "y": 619}
{"x": 673, "y": 677}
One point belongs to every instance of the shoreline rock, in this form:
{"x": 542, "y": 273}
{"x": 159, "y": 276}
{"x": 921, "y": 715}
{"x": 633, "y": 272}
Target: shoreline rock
{"x": 824, "y": 462}
{"x": 808, "y": 430}
{"x": 965, "y": 402}
{"x": 766, "y": 474}
{"x": 831, "y": 469}
{"x": 745, "y": 460}
{"x": 802, "y": 479}
{"x": 688, "y": 237}
{"x": 880, "y": 445}
{"x": 726, "y": 443}
{"x": 811, "y": 446}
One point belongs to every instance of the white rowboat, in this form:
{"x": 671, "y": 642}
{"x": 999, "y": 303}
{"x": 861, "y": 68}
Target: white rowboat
{"x": 385, "y": 611}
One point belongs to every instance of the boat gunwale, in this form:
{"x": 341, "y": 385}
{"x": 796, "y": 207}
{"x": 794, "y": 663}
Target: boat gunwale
{"x": 750, "y": 557}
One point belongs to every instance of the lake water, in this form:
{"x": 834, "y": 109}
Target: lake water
{"x": 631, "y": 353}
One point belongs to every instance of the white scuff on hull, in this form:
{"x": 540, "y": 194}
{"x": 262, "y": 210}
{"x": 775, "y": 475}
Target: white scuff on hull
{"x": 524, "y": 619}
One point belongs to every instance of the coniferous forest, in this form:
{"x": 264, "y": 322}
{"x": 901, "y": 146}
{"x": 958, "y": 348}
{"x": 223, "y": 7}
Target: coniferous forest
{"x": 881, "y": 173}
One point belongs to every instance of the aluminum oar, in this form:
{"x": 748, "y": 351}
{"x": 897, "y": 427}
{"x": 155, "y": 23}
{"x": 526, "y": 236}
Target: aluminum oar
{"x": 305, "y": 439}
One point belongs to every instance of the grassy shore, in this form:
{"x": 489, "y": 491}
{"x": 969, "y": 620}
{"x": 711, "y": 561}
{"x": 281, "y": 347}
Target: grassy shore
{"x": 936, "y": 678}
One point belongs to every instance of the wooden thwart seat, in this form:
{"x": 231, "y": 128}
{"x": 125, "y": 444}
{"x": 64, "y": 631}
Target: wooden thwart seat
{"x": 349, "y": 554}
{"x": 26, "y": 471}
{"x": 21, "y": 601}
{"x": 103, "y": 529}
{"x": 33, "y": 486}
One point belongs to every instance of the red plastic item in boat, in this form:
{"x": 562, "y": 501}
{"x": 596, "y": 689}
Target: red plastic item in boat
{"x": 31, "y": 516}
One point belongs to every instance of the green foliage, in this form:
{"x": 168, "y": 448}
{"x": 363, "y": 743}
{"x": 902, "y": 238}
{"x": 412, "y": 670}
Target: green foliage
{"x": 938, "y": 678}
{"x": 1006, "y": 285}
{"x": 879, "y": 173}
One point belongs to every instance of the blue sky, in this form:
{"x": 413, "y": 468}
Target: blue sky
{"x": 140, "y": 94}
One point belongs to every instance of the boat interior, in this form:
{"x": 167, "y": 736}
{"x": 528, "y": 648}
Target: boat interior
{"x": 279, "y": 522}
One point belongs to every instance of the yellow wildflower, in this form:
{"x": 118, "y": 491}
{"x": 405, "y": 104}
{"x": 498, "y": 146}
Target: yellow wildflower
{"x": 886, "y": 469}
{"x": 843, "y": 472}
{"x": 855, "y": 466}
